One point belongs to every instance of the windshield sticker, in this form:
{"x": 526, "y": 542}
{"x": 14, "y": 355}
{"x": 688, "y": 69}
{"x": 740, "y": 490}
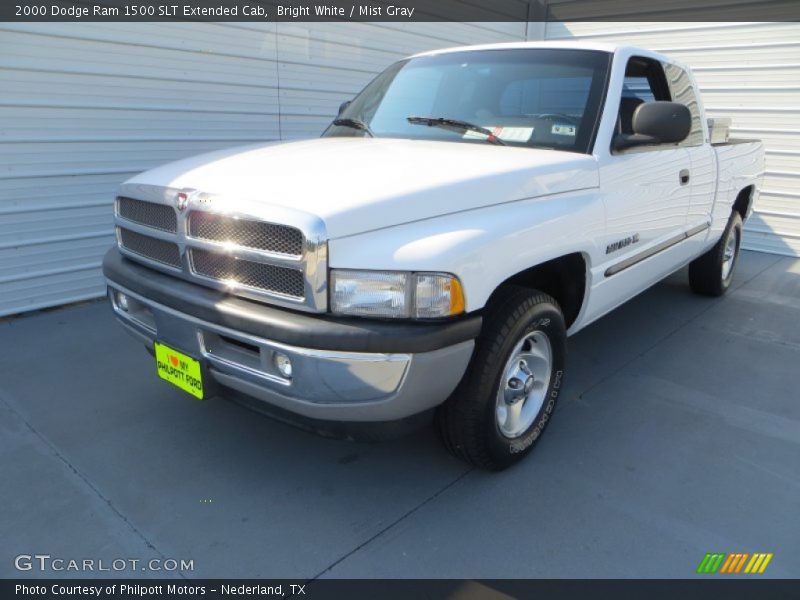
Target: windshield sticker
{"x": 561, "y": 129}
{"x": 506, "y": 134}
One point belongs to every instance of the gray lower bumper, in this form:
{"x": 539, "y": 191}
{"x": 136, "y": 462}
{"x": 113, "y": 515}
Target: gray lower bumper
{"x": 325, "y": 384}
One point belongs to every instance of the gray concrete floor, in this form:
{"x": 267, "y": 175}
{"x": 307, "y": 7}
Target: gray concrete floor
{"x": 678, "y": 434}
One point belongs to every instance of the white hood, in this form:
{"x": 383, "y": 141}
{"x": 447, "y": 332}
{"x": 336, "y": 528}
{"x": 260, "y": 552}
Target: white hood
{"x": 359, "y": 184}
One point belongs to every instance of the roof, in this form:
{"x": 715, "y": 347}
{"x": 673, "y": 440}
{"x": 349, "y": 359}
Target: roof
{"x": 565, "y": 44}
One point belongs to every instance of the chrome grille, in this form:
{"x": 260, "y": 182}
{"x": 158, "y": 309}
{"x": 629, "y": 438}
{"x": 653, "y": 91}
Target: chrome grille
{"x": 280, "y": 239}
{"x": 157, "y": 216}
{"x": 259, "y": 276}
{"x": 270, "y": 253}
{"x": 152, "y": 248}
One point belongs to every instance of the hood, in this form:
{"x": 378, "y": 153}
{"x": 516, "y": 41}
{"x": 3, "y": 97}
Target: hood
{"x": 357, "y": 184}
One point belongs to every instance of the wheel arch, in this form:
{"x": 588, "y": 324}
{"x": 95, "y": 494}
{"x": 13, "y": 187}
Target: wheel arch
{"x": 564, "y": 278}
{"x": 743, "y": 203}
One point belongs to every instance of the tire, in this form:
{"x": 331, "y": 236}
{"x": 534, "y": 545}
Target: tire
{"x": 521, "y": 325}
{"x": 711, "y": 274}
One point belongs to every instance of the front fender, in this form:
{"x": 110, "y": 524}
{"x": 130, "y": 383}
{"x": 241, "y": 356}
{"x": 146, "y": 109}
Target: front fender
{"x": 484, "y": 246}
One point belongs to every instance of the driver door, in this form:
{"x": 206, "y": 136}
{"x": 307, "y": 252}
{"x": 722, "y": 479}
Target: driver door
{"x": 647, "y": 196}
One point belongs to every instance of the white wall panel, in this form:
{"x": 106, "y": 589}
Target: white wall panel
{"x": 84, "y": 106}
{"x": 751, "y": 73}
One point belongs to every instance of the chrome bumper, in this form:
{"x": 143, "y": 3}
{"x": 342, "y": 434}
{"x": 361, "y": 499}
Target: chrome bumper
{"x": 325, "y": 384}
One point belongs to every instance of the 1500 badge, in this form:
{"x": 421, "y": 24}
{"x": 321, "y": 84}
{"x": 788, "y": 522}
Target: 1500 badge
{"x": 623, "y": 243}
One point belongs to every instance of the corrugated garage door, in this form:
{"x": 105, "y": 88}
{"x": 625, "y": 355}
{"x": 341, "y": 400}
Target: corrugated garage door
{"x": 751, "y": 73}
{"x": 84, "y": 106}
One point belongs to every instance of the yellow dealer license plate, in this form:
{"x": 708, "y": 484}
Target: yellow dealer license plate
{"x": 180, "y": 370}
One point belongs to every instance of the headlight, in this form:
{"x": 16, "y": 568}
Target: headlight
{"x": 401, "y": 295}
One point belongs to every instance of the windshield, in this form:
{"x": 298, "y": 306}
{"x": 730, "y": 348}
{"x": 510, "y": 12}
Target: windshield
{"x": 525, "y": 97}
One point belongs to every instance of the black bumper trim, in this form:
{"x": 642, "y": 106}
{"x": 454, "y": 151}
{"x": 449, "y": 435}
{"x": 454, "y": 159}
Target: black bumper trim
{"x": 321, "y": 332}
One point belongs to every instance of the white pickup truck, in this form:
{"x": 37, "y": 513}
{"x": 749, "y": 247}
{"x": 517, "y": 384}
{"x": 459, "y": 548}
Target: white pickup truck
{"x": 432, "y": 251}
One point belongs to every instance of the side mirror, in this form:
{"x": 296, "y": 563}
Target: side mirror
{"x": 343, "y": 106}
{"x": 656, "y": 123}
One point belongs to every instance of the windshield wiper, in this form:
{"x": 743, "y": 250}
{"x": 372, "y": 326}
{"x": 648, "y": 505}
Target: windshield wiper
{"x": 456, "y": 125}
{"x": 354, "y": 124}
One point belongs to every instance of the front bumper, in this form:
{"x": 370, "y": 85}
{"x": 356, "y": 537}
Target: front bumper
{"x": 343, "y": 369}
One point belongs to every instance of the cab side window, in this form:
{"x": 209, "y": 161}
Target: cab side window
{"x": 635, "y": 86}
{"x": 644, "y": 82}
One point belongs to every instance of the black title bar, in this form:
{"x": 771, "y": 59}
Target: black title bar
{"x": 299, "y": 11}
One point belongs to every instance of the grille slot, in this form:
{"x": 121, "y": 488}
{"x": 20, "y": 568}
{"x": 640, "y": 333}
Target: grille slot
{"x": 160, "y": 251}
{"x": 157, "y": 216}
{"x": 259, "y": 276}
{"x": 280, "y": 239}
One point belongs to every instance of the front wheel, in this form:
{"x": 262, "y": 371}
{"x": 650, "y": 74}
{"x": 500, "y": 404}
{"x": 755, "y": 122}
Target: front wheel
{"x": 711, "y": 274}
{"x": 509, "y": 392}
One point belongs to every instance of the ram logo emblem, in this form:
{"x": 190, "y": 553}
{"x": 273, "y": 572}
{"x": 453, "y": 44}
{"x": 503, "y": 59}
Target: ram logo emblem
{"x": 181, "y": 200}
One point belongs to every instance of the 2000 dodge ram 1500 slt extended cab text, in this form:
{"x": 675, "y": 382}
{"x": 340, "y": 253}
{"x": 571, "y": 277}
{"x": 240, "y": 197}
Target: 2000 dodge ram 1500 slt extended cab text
{"x": 432, "y": 251}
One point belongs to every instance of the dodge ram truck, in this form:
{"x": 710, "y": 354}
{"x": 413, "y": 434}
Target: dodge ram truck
{"x": 429, "y": 254}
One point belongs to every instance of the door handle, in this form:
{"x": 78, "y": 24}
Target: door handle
{"x": 684, "y": 176}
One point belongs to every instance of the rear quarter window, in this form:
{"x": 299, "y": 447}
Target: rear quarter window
{"x": 682, "y": 90}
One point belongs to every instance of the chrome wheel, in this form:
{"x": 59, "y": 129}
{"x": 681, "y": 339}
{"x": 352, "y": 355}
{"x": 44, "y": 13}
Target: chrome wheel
{"x": 729, "y": 255}
{"x": 523, "y": 385}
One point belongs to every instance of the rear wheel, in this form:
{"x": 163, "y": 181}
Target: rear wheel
{"x": 509, "y": 392}
{"x": 712, "y": 273}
